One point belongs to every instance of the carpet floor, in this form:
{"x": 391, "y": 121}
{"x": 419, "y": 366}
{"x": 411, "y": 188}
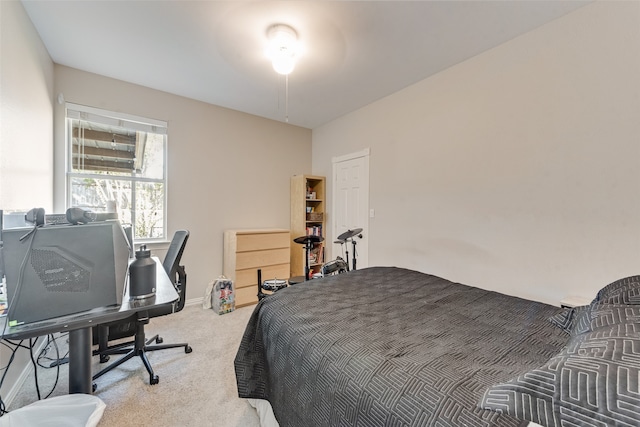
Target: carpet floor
{"x": 195, "y": 389}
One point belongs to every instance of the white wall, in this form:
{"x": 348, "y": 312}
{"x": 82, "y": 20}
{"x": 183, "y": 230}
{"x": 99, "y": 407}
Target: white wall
{"x": 26, "y": 113}
{"x": 26, "y": 133}
{"x": 226, "y": 169}
{"x": 516, "y": 170}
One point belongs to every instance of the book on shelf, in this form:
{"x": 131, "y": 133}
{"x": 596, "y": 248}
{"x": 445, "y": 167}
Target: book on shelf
{"x": 315, "y": 230}
{"x": 316, "y": 254}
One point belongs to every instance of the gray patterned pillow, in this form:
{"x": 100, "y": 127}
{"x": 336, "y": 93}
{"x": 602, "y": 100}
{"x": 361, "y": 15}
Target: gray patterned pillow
{"x": 622, "y": 291}
{"x": 593, "y": 381}
{"x": 620, "y": 319}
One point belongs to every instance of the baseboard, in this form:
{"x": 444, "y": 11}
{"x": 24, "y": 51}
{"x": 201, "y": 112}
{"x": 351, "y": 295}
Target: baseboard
{"x": 27, "y": 369}
{"x": 194, "y": 301}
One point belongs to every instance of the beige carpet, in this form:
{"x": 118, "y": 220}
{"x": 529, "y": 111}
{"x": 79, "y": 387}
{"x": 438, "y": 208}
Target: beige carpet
{"x": 196, "y": 389}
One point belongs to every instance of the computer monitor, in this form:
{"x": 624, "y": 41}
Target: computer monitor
{"x": 58, "y": 270}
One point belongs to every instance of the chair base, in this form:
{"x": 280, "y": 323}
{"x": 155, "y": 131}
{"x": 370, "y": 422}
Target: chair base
{"x": 140, "y": 347}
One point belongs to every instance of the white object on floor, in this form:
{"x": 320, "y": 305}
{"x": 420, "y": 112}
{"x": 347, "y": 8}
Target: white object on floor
{"x": 265, "y": 412}
{"x": 574, "y": 301}
{"x": 206, "y": 301}
{"x": 70, "y": 410}
{"x": 267, "y": 419}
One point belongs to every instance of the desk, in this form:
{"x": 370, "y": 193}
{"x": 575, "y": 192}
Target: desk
{"x": 79, "y": 327}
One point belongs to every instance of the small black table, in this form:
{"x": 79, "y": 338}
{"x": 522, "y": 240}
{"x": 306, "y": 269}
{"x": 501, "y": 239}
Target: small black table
{"x": 79, "y": 327}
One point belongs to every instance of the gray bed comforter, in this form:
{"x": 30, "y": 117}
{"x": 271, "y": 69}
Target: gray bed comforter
{"x": 387, "y": 346}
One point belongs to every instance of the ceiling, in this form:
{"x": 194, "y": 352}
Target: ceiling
{"x": 355, "y": 52}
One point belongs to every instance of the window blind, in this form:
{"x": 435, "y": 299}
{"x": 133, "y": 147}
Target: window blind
{"x": 103, "y": 142}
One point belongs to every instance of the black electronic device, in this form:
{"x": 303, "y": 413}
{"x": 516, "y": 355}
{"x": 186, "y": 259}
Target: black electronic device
{"x": 53, "y": 271}
{"x": 337, "y": 266}
{"x": 84, "y": 216}
{"x": 35, "y": 216}
{"x": 55, "y": 219}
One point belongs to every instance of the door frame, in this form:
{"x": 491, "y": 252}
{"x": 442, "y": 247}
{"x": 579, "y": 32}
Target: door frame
{"x": 365, "y": 153}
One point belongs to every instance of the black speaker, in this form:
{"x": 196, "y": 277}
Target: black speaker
{"x": 35, "y": 216}
{"x": 83, "y": 216}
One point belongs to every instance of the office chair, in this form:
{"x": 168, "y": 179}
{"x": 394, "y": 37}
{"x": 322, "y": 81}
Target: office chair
{"x": 140, "y": 345}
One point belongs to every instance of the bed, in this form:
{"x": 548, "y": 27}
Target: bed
{"x": 387, "y": 346}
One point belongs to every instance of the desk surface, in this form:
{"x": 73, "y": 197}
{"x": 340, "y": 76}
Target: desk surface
{"x": 79, "y": 327}
{"x": 165, "y": 294}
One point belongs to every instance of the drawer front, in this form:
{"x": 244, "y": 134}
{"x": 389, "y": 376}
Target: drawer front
{"x": 249, "y": 277}
{"x": 246, "y": 296}
{"x": 264, "y": 258}
{"x": 261, "y": 241}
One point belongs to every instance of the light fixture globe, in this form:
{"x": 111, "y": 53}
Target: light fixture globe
{"x": 283, "y": 64}
{"x": 282, "y": 48}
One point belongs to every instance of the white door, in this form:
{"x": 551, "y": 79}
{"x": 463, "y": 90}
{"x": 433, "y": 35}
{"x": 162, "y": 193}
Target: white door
{"x": 351, "y": 206}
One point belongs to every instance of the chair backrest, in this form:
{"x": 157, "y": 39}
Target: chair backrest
{"x": 172, "y": 265}
{"x": 174, "y": 254}
{"x": 128, "y": 231}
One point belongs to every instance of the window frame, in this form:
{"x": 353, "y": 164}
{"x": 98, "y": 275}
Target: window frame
{"x": 128, "y": 121}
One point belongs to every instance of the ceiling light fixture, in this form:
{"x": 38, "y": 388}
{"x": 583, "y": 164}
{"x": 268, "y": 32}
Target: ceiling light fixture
{"x": 282, "y": 48}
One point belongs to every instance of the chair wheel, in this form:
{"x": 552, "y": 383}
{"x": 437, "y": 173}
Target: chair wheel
{"x": 159, "y": 340}
{"x": 188, "y": 349}
{"x": 94, "y": 387}
{"x": 104, "y": 358}
{"x": 154, "y": 379}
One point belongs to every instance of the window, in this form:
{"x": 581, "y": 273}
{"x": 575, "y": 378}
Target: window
{"x": 117, "y": 162}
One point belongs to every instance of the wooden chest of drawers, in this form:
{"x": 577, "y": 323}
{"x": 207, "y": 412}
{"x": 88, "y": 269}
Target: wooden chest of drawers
{"x": 246, "y": 251}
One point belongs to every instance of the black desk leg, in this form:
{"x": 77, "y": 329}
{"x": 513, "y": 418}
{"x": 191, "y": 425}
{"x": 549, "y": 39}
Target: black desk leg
{"x": 80, "y": 361}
